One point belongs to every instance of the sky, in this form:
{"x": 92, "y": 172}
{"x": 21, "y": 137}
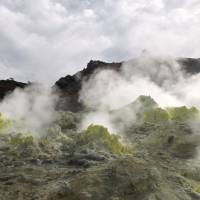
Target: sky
{"x": 43, "y": 40}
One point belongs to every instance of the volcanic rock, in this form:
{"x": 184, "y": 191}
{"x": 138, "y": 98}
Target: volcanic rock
{"x": 8, "y": 86}
{"x": 69, "y": 86}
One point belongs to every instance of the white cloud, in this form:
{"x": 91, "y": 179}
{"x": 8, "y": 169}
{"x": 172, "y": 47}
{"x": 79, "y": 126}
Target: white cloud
{"x": 43, "y": 40}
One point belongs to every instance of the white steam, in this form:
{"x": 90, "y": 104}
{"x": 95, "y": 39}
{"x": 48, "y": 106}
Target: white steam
{"x": 31, "y": 109}
{"x": 159, "y": 77}
{"x": 100, "y": 118}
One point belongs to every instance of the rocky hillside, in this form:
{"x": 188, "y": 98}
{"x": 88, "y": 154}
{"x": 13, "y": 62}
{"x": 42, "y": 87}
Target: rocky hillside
{"x": 9, "y": 85}
{"x": 155, "y": 159}
{"x": 70, "y": 86}
{"x": 152, "y": 155}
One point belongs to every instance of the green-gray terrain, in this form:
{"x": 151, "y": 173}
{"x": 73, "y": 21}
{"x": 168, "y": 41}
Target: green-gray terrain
{"x": 150, "y": 153}
{"x": 154, "y": 158}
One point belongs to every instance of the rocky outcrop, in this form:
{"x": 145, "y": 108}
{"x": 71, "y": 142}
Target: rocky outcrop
{"x": 8, "y": 86}
{"x": 190, "y": 65}
{"x": 70, "y": 86}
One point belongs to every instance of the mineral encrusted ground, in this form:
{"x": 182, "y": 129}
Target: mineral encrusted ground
{"x": 162, "y": 165}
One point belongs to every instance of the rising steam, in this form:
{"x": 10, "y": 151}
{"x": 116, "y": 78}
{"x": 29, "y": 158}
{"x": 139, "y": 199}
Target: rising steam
{"x": 160, "y": 77}
{"x": 30, "y": 109}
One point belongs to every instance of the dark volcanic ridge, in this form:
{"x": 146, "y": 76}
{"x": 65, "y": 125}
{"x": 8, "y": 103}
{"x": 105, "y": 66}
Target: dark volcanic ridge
{"x": 69, "y": 87}
{"x": 9, "y": 85}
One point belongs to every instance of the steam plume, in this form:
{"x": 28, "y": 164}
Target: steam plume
{"x": 31, "y": 109}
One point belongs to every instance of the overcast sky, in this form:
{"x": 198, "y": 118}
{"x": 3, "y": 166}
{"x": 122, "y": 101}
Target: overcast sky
{"x": 42, "y": 40}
